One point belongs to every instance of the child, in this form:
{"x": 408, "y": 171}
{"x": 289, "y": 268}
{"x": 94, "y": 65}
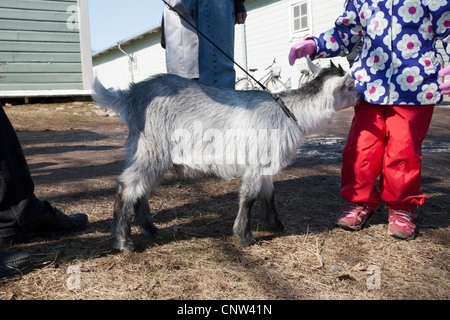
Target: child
{"x": 396, "y": 72}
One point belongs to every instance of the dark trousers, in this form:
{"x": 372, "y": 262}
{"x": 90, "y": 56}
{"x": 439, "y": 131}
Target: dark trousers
{"x": 19, "y": 206}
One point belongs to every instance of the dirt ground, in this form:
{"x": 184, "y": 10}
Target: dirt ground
{"x": 75, "y": 153}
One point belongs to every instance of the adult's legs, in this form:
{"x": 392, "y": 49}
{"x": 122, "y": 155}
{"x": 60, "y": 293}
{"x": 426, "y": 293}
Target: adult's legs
{"x": 18, "y": 204}
{"x": 22, "y": 215}
{"x": 216, "y": 20}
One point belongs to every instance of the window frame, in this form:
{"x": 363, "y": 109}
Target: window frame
{"x": 292, "y": 19}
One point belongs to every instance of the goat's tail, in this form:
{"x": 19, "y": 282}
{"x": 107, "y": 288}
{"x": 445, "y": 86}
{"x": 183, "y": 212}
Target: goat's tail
{"x": 105, "y": 97}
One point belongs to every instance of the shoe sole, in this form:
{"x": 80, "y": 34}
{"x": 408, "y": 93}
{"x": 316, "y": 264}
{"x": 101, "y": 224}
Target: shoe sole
{"x": 20, "y": 268}
{"x": 345, "y": 226}
{"x": 27, "y": 237}
{"x": 400, "y": 235}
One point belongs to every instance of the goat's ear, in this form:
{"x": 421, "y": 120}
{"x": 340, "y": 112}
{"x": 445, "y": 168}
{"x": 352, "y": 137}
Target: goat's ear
{"x": 332, "y": 65}
{"x": 313, "y": 67}
{"x": 338, "y": 67}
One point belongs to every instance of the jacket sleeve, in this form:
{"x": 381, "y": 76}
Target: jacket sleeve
{"x": 441, "y": 24}
{"x": 341, "y": 39}
{"x": 239, "y": 6}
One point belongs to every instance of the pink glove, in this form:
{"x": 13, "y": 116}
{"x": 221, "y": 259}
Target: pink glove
{"x": 302, "y": 49}
{"x": 445, "y": 87}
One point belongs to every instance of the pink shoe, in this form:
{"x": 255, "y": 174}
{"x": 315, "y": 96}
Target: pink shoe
{"x": 401, "y": 225}
{"x": 354, "y": 216}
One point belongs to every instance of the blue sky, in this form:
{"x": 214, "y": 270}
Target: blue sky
{"x": 116, "y": 20}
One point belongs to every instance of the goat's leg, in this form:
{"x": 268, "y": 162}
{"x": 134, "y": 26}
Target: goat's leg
{"x": 121, "y": 225}
{"x": 269, "y": 215}
{"x": 134, "y": 186}
{"x": 242, "y": 225}
{"x": 143, "y": 217}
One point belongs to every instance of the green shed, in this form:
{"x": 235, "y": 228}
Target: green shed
{"x": 45, "y": 48}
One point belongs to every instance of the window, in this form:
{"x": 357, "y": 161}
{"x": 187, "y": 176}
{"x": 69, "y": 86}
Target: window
{"x": 299, "y": 14}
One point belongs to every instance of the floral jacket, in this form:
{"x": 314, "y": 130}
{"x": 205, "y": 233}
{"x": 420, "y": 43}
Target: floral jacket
{"x": 398, "y": 62}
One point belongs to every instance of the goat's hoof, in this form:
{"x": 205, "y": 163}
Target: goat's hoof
{"x": 276, "y": 225}
{"x": 270, "y": 224}
{"x": 124, "y": 245}
{"x": 247, "y": 241}
{"x": 150, "y": 230}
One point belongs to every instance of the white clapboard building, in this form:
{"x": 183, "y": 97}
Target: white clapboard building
{"x": 272, "y": 27}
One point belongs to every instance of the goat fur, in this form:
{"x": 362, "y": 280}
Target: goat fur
{"x": 197, "y": 129}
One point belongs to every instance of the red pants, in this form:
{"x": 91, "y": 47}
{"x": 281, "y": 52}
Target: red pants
{"x": 385, "y": 141}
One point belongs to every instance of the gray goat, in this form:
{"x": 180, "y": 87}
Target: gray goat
{"x": 197, "y": 129}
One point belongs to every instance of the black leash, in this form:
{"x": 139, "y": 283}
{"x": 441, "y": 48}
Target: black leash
{"x": 280, "y": 102}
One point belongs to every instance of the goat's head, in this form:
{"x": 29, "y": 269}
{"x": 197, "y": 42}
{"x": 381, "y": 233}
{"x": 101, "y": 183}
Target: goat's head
{"x": 336, "y": 83}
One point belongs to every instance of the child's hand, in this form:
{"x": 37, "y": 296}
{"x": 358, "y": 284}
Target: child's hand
{"x": 445, "y": 87}
{"x": 302, "y": 49}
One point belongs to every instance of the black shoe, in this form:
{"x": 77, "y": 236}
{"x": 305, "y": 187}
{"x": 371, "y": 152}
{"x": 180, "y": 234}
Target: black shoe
{"x": 52, "y": 223}
{"x": 14, "y": 263}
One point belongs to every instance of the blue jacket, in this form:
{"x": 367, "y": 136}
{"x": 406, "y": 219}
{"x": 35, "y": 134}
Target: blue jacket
{"x": 398, "y": 62}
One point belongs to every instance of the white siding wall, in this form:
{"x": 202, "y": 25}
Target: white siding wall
{"x": 151, "y": 58}
{"x": 112, "y": 70}
{"x": 112, "y": 67}
{"x": 268, "y": 33}
{"x": 325, "y": 14}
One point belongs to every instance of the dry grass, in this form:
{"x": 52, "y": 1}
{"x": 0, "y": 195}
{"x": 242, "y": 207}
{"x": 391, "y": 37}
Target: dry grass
{"x": 74, "y": 159}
